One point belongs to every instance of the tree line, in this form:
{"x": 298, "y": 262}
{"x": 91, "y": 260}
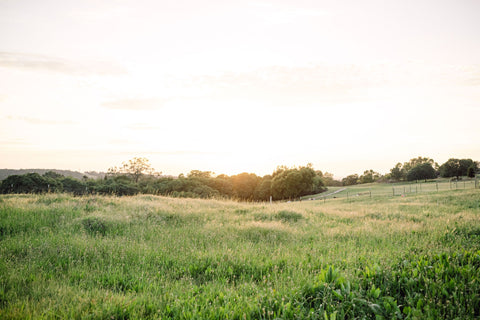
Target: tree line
{"x": 420, "y": 168}
{"x": 137, "y": 176}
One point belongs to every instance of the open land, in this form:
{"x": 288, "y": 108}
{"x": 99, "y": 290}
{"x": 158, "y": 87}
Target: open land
{"x": 152, "y": 257}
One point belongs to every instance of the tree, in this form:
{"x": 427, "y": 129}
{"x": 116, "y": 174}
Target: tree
{"x": 135, "y": 168}
{"x": 53, "y": 175}
{"x": 119, "y": 185}
{"x": 264, "y": 189}
{"x": 244, "y": 185}
{"x": 200, "y": 174}
{"x": 417, "y": 161}
{"x": 74, "y": 186}
{"x": 422, "y": 171}
{"x": 456, "y": 167}
{"x": 29, "y": 183}
{"x": 350, "y": 180}
{"x": 293, "y": 183}
{"x": 369, "y": 176}
{"x": 329, "y": 181}
{"x": 471, "y": 171}
{"x": 398, "y": 172}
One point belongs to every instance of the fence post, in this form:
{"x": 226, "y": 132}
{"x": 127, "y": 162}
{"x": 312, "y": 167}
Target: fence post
{"x": 370, "y": 194}
{"x": 437, "y": 185}
{"x": 393, "y": 188}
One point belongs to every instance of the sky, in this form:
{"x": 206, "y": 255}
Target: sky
{"x": 238, "y": 86}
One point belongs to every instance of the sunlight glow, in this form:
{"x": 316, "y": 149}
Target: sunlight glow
{"x": 233, "y": 87}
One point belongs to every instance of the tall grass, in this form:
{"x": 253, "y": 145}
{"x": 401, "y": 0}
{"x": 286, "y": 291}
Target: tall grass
{"x": 148, "y": 257}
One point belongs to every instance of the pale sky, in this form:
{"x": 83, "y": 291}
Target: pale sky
{"x": 235, "y": 86}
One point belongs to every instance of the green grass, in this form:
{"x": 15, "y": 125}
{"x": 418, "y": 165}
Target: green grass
{"x": 148, "y": 257}
{"x": 394, "y": 189}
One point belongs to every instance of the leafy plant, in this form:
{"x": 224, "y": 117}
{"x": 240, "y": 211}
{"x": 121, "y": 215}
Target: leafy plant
{"x": 95, "y": 225}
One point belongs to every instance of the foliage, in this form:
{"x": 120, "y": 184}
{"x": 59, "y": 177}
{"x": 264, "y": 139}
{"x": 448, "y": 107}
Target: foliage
{"x": 369, "y": 176}
{"x": 137, "y": 176}
{"x": 244, "y": 185}
{"x": 350, "y": 180}
{"x": 73, "y": 186}
{"x": 118, "y": 185}
{"x": 471, "y": 171}
{"x": 135, "y": 168}
{"x": 95, "y": 226}
{"x": 291, "y": 183}
{"x": 397, "y": 173}
{"x": 422, "y": 171}
{"x": 441, "y": 286}
{"x": 328, "y": 179}
{"x": 457, "y": 167}
{"x": 29, "y": 183}
{"x": 400, "y": 171}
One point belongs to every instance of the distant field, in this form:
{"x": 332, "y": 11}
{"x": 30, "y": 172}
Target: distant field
{"x": 149, "y": 257}
{"x": 395, "y": 189}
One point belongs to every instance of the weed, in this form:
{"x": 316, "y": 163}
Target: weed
{"x": 95, "y": 226}
{"x": 288, "y": 216}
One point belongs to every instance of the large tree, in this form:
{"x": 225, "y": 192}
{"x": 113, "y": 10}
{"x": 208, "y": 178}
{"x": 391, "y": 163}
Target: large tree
{"x": 135, "y": 168}
{"x": 369, "y": 176}
{"x": 350, "y": 180}
{"x": 244, "y": 185}
{"x": 397, "y": 172}
{"x": 291, "y": 183}
{"x": 471, "y": 171}
{"x": 456, "y": 167}
{"x": 400, "y": 171}
{"x": 422, "y": 171}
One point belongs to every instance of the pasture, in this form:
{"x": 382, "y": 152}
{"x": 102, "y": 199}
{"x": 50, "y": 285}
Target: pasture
{"x": 150, "y": 257}
{"x": 395, "y": 189}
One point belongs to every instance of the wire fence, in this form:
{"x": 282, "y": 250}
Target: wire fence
{"x": 400, "y": 190}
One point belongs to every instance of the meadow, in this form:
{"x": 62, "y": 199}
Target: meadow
{"x": 152, "y": 257}
{"x": 395, "y": 189}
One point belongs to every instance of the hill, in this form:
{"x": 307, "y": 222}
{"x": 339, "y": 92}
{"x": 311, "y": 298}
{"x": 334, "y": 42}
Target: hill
{"x": 4, "y": 173}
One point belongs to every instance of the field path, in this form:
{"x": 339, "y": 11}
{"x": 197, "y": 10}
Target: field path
{"x": 329, "y": 194}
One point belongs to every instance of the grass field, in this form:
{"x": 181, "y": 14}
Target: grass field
{"x": 148, "y": 257}
{"x": 395, "y": 189}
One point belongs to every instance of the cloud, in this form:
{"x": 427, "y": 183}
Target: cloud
{"x": 36, "y": 62}
{"x": 332, "y": 83}
{"x": 135, "y": 104}
{"x": 38, "y": 121}
{"x": 15, "y": 142}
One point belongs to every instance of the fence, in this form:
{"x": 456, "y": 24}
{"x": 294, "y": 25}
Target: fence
{"x": 393, "y": 190}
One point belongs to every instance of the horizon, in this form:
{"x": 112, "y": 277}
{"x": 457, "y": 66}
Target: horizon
{"x": 239, "y": 86}
{"x": 216, "y": 173}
